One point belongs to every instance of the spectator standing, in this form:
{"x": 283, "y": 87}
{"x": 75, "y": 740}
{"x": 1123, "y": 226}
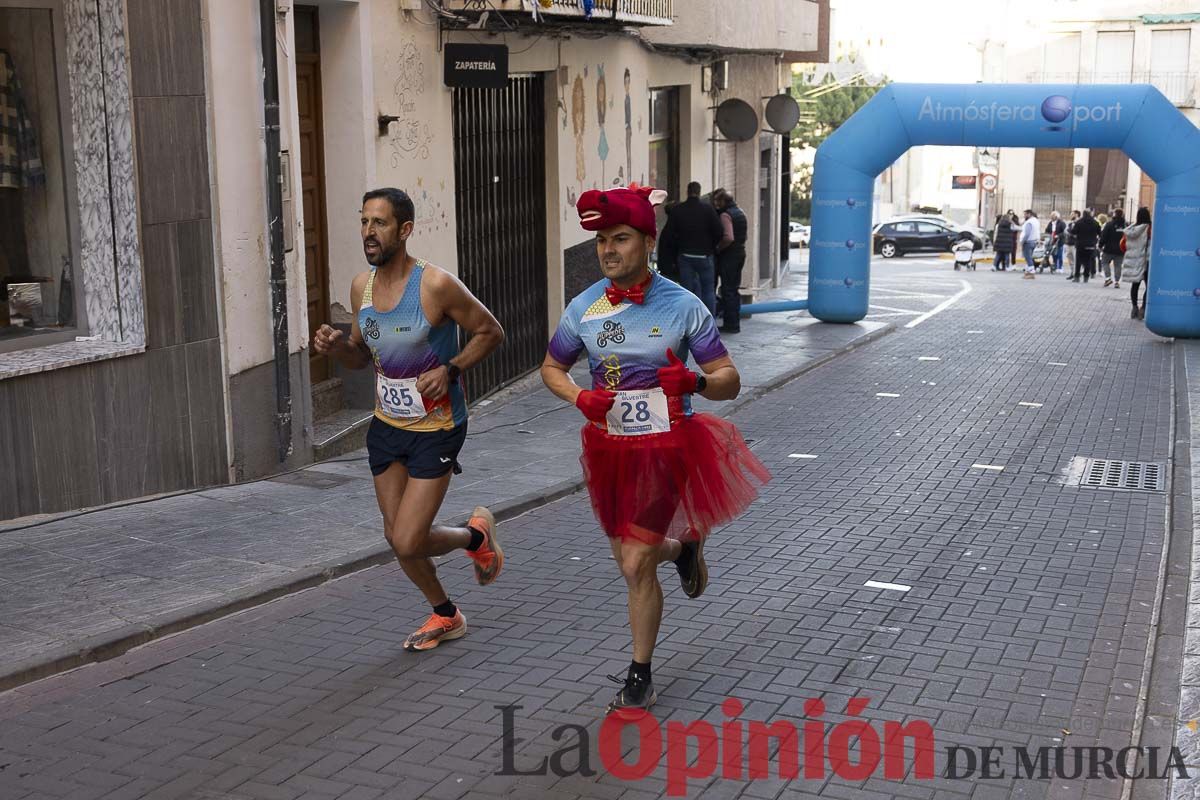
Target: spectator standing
{"x": 1087, "y": 239}
{"x": 696, "y": 231}
{"x": 1111, "y": 255}
{"x": 1069, "y": 245}
{"x": 1003, "y": 239}
{"x": 1030, "y": 231}
{"x": 731, "y": 258}
{"x": 1056, "y": 229}
{"x": 1136, "y": 268}
{"x": 667, "y": 258}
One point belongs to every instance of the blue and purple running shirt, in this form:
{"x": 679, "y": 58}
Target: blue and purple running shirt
{"x": 627, "y": 343}
{"x": 403, "y": 345}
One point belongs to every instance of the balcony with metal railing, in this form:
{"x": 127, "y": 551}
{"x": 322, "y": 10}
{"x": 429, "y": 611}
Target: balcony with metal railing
{"x": 1178, "y": 87}
{"x": 625, "y": 12}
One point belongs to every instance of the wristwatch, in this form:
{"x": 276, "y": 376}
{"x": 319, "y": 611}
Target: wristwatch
{"x": 453, "y": 371}
{"x": 701, "y": 383}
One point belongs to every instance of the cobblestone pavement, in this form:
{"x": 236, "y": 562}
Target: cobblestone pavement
{"x": 84, "y": 587}
{"x": 1027, "y": 619}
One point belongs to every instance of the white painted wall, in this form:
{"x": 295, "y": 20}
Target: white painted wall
{"x": 748, "y": 24}
{"x": 753, "y": 78}
{"x": 378, "y": 59}
{"x": 349, "y": 127}
{"x": 403, "y": 76}
{"x": 238, "y": 152}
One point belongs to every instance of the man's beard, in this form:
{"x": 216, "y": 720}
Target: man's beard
{"x": 382, "y": 256}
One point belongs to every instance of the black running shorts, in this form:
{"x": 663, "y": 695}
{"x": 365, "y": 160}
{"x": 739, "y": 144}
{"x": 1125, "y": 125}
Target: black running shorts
{"x": 426, "y": 454}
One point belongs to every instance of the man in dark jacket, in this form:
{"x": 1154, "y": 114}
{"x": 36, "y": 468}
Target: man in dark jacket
{"x": 1056, "y": 229}
{"x": 731, "y": 257}
{"x": 668, "y": 248}
{"x": 696, "y": 230}
{"x": 1111, "y": 257}
{"x": 1087, "y": 238}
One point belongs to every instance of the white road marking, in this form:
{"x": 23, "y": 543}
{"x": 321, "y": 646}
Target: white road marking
{"x": 896, "y": 587}
{"x": 942, "y": 306}
{"x": 891, "y": 308}
{"x": 1030, "y": 405}
{"x": 974, "y": 331}
{"x": 928, "y": 358}
{"x": 992, "y": 467}
{"x": 801, "y": 455}
{"x": 1055, "y": 364}
{"x": 886, "y": 394}
{"x": 905, "y": 294}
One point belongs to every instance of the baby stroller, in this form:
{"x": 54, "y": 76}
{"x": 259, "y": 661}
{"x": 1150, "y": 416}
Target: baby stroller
{"x": 1043, "y": 254}
{"x": 964, "y": 252}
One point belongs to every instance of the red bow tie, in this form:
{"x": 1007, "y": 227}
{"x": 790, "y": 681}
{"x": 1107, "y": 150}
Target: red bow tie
{"x": 634, "y": 294}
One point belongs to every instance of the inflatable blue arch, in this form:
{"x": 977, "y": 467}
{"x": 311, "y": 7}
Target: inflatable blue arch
{"x": 1134, "y": 118}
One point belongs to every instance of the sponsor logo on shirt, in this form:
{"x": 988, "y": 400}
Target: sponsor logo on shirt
{"x": 613, "y": 332}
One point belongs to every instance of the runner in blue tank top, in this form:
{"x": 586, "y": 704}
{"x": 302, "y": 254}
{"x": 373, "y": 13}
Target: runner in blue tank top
{"x": 407, "y": 316}
{"x": 660, "y": 477}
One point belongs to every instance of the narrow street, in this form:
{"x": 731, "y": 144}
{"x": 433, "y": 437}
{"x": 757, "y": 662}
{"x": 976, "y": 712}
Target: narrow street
{"x": 1016, "y": 607}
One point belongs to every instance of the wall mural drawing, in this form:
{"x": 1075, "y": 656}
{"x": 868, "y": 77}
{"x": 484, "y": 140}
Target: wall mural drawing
{"x": 578, "y": 127}
{"x": 411, "y": 136}
{"x": 601, "y": 113}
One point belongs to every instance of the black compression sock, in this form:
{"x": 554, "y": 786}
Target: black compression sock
{"x": 685, "y": 551}
{"x": 639, "y": 671}
{"x": 446, "y": 609}
{"x": 476, "y": 540}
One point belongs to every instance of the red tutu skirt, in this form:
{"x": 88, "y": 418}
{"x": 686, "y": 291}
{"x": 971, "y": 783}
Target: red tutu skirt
{"x": 679, "y": 484}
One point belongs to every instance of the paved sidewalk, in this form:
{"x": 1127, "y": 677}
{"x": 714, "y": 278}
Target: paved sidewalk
{"x": 1024, "y": 607}
{"x": 87, "y": 587}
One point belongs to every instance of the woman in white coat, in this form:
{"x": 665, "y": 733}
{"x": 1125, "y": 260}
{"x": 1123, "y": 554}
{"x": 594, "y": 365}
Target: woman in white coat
{"x": 1136, "y": 268}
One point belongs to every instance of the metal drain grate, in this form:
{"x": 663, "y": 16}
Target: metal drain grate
{"x": 1136, "y": 476}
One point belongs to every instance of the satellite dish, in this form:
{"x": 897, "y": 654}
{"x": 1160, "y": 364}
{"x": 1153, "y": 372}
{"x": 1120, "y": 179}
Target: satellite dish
{"x": 783, "y": 113}
{"x": 736, "y": 120}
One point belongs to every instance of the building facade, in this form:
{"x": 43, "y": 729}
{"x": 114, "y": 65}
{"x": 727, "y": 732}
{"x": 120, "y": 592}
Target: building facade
{"x": 212, "y": 203}
{"x": 1096, "y": 44}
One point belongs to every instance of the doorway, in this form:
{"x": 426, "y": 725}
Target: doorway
{"x": 500, "y": 174}
{"x": 312, "y": 179}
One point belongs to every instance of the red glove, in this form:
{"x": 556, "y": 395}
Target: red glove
{"x": 676, "y": 379}
{"x": 595, "y": 403}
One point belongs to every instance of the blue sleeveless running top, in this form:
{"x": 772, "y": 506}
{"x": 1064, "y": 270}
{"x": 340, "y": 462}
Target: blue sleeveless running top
{"x": 403, "y": 345}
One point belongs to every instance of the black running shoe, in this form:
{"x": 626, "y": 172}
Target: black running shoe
{"x": 693, "y": 572}
{"x": 635, "y": 696}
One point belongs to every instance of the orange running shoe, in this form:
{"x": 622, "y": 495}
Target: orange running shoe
{"x": 436, "y": 630}
{"x": 489, "y": 558}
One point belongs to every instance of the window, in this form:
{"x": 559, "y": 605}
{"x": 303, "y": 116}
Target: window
{"x": 1114, "y": 57}
{"x": 906, "y": 227}
{"x": 1169, "y": 64}
{"x": 664, "y": 141}
{"x": 38, "y": 296}
{"x": 929, "y": 227}
{"x": 1060, "y": 59}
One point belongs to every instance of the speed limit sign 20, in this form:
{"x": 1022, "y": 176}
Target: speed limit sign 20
{"x": 989, "y": 183}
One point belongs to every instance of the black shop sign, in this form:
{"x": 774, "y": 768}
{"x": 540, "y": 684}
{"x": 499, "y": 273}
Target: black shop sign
{"x": 476, "y": 66}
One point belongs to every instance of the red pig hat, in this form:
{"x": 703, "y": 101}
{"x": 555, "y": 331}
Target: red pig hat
{"x": 632, "y": 206}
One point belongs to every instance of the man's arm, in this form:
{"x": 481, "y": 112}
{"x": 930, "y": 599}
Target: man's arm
{"x": 726, "y": 232}
{"x": 724, "y": 382}
{"x": 457, "y": 303}
{"x": 352, "y": 352}
{"x": 558, "y": 380}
